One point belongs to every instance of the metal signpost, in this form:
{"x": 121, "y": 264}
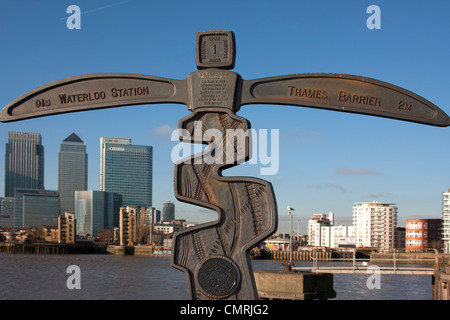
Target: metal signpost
{"x": 215, "y": 255}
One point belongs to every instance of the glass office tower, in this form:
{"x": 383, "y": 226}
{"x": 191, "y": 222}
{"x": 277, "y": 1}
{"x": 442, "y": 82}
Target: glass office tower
{"x": 34, "y": 208}
{"x": 168, "y": 211}
{"x": 72, "y": 171}
{"x": 96, "y": 210}
{"x": 24, "y": 162}
{"x": 127, "y": 169}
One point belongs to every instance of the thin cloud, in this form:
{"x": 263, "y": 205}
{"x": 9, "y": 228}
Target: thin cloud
{"x": 101, "y": 8}
{"x": 355, "y": 171}
{"x": 328, "y": 186}
{"x": 379, "y": 195}
{"x": 164, "y": 132}
{"x": 301, "y": 135}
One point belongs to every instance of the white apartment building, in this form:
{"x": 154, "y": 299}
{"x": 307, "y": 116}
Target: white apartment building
{"x": 374, "y": 224}
{"x": 323, "y": 233}
{"x": 446, "y": 220}
{"x": 315, "y": 224}
{"x": 341, "y": 235}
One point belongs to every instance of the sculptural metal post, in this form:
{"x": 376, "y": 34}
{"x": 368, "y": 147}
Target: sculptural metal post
{"x": 215, "y": 255}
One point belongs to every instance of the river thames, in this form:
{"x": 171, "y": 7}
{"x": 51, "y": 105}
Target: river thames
{"x": 112, "y": 277}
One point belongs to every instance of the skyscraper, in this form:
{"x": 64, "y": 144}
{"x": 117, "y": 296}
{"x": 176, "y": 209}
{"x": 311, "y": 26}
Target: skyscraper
{"x": 127, "y": 169}
{"x": 96, "y": 210}
{"x": 168, "y": 211}
{"x": 446, "y": 220}
{"x": 72, "y": 171}
{"x": 24, "y": 162}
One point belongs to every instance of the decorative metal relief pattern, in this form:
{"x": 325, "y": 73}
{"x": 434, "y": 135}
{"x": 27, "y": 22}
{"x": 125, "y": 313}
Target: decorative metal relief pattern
{"x": 215, "y": 255}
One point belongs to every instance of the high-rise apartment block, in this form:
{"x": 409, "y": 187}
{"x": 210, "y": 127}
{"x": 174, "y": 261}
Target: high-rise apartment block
{"x": 149, "y": 215}
{"x": 315, "y": 225}
{"x": 127, "y": 169}
{"x": 67, "y": 228}
{"x": 374, "y": 224}
{"x": 128, "y": 226}
{"x": 446, "y": 220}
{"x": 422, "y": 234}
{"x": 323, "y": 233}
{"x": 24, "y": 162}
{"x": 72, "y": 171}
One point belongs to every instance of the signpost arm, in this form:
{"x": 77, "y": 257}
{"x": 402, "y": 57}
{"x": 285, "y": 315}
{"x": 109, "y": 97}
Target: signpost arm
{"x": 347, "y": 93}
{"x": 94, "y": 91}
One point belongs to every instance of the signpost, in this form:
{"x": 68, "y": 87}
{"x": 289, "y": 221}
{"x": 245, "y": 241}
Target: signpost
{"x": 215, "y": 255}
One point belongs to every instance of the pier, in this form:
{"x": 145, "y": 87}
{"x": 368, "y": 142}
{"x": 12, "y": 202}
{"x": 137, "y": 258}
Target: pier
{"x": 394, "y": 259}
{"x": 316, "y": 281}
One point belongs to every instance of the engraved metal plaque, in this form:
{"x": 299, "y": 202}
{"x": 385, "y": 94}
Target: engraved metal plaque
{"x": 217, "y": 277}
{"x": 212, "y": 88}
{"x": 341, "y": 92}
{"x": 215, "y": 49}
{"x": 94, "y": 91}
{"x": 215, "y": 255}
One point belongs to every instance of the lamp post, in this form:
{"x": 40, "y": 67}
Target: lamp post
{"x": 290, "y": 234}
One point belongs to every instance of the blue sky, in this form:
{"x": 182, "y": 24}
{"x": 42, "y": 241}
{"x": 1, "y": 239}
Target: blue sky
{"x": 328, "y": 160}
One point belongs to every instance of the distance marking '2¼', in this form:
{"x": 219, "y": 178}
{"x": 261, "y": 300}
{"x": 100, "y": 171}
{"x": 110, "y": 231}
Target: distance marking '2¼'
{"x": 342, "y": 92}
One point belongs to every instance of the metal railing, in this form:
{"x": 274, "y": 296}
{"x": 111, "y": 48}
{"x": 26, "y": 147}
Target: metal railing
{"x": 360, "y": 265}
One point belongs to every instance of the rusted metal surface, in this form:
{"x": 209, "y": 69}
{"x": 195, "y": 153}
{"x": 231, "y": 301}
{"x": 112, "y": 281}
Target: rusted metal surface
{"x": 347, "y": 93}
{"x": 218, "y": 252}
{"x": 215, "y": 255}
{"x": 94, "y": 91}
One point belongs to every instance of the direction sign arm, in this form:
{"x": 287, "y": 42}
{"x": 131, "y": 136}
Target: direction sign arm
{"x": 341, "y": 92}
{"x": 94, "y": 91}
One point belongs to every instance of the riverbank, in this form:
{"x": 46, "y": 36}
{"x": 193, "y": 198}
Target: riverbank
{"x": 52, "y": 248}
{"x": 80, "y": 248}
{"x": 301, "y": 255}
{"x": 147, "y": 251}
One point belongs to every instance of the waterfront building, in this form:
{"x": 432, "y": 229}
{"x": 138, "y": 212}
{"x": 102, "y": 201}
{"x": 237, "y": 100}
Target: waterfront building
{"x": 128, "y": 226}
{"x": 374, "y": 224}
{"x": 422, "y": 234}
{"x": 168, "y": 211}
{"x": 281, "y": 242}
{"x": 127, "y": 169}
{"x": 67, "y": 228}
{"x": 315, "y": 224}
{"x": 50, "y": 233}
{"x": 323, "y": 233}
{"x": 400, "y": 238}
{"x": 446, "y": 221}
{"x": 166, "y": 227}
{"x": 35, "y": 207}
{"x": 72, "y": 171}
{"x": 24, "y": 162}
{"x": 341, "y": 237}
{"x": 95, "y": 211}
{"x": 7, "y": 212}
{"x": 149, "y": 215}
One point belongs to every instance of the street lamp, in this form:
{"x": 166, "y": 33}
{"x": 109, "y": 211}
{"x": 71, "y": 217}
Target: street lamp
{"x": 290, "y": 235}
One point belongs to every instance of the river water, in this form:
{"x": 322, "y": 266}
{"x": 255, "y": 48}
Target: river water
{"x": 112, "y": 277}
